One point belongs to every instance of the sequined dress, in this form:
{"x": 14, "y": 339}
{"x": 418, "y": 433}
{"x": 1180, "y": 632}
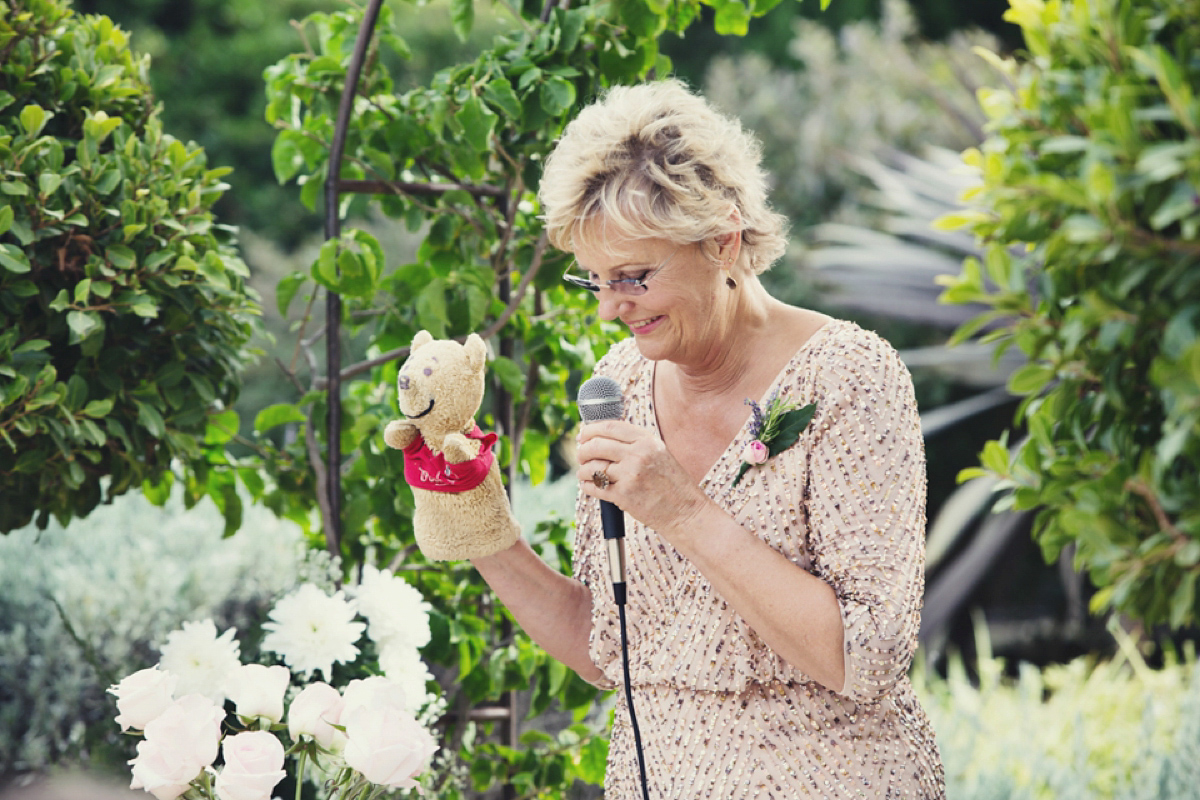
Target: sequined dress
{"x": 720, "y": 714}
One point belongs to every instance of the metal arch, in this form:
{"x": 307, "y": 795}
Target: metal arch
{"x": 333, "y": 301}
{"x": 334, "y": 187}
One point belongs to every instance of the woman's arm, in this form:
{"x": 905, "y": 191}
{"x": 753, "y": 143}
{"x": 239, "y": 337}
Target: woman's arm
{"x": 795, "y": 613}
{"x": 556, "y": 611}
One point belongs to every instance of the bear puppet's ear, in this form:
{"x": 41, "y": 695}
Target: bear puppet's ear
{"x": 422, "y": 338}
{"x": 476, "y": 351}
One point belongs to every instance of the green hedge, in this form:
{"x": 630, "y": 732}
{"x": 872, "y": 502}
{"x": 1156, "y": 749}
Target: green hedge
{"x": 124, "y": 313}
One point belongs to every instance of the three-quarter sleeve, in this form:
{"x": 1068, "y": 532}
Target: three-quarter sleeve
{"x": 867, "y": 510}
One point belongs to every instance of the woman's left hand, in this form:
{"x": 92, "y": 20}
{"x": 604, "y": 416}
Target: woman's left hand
{"x": 644, "y": 479}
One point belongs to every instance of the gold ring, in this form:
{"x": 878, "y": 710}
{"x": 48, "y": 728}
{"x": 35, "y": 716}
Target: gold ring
{"x": 601, "y": 479}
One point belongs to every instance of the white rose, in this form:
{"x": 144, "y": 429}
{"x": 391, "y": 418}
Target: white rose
{"x": 404, "y": 666}
{"x": 387, "y": 745}
{"x": 314, "y": 712}
{"x": 179, "y": 743}
{"x": 258, "y": 691}
{"x": 142, "y": 696}
{"x": 253, "y": 766}
{"x": 372, "y": 692}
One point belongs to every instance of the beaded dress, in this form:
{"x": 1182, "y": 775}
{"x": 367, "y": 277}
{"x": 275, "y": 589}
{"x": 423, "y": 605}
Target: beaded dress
{"x": 722, "y": 716}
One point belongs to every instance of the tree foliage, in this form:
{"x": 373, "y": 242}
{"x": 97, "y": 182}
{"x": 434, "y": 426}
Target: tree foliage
{"x": 124, "y": 315}
{"x": 1089, "y": 213}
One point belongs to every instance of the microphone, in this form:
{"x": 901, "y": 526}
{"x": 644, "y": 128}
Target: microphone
{"x": 600, "y": 399}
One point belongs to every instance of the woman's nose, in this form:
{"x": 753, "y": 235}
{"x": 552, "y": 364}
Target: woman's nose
{"x": 609, "y": 303}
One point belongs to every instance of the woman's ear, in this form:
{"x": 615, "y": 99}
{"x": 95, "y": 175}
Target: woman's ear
{"x": 729, "y": 245}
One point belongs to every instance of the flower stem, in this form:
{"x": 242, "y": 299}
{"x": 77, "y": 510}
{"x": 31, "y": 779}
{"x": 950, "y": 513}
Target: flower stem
{"x": 300, "y": 772}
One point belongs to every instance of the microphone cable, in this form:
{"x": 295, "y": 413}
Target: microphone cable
{"x": 633, "y": 723}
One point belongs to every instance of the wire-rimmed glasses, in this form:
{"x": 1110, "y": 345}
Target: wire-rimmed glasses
{"x": 629, "y": 286}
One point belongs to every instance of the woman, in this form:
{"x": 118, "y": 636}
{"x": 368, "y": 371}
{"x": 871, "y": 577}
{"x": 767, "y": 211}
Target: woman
{"x": 772, "y": 618}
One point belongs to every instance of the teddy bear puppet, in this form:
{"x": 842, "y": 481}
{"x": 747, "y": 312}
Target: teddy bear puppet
{"x": 462, "y": 510}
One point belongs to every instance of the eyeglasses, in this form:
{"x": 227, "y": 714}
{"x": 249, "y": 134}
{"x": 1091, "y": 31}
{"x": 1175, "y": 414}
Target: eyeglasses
{"x": 630, "y": 286}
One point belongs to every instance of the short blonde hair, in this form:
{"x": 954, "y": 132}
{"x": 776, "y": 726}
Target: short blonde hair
{"x": 656, "y": 161}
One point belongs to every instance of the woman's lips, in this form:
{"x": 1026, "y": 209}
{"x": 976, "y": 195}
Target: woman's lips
{"x": 646, "y": 325}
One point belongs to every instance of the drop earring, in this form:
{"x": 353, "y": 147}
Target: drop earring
{"x": 730, "y": 282}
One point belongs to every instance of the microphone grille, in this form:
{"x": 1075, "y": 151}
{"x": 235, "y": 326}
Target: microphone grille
{"x": 600, "y": 398}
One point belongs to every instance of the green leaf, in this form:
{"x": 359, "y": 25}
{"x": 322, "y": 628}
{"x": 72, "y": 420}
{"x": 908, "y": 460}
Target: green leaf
{"x": 1030, "y": 379}
{"x": 791, "y": 425}
{"x": 275, "y": 415}
{"x": 286, "y": 290}
{"x": 499, "y": 93}
{"x": 286, "y": 158}
{"x": 1182, "y": 202}
{"x": 83, "y": 324}
{"x": 478, "y": 121}
{"x": 33, "y": 119}
{"x": 150, "y": 419}
{"x": 557, "y": 95}
{"x": 158, "y": 492}
{"x": 14, "y": 259}
{"x": 120, "y": 256}
{"x": 732, "y": 18}
{"x": 995, "y": 458}
{"x": 98, "y": 409}
{"x": 510, "y": 375}
{"x": 48, "y": 183}
{"x": 1183, "y": 601}
{"x": 222, "y": 427}
{"x": 431, "y": 308}
{"x": 462, "y": 17}
{"x": 6, "y": 218}
{"x": 325, "y": 270}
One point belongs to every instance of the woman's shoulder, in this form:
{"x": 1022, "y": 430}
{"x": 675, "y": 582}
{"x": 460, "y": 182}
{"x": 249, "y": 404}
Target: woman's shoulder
{"x": 852, "y": 364}
{"x": 842, "y": 341}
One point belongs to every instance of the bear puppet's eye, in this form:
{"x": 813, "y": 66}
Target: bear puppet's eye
{"x": 428, "y": 371}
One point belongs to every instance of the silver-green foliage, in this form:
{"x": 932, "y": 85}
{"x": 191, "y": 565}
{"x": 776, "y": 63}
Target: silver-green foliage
{"x": 124, "y": 314}
{"x": 1089, "y": 213}
{"x": 82, "y": 607}
{"x": 1111, "y": 729}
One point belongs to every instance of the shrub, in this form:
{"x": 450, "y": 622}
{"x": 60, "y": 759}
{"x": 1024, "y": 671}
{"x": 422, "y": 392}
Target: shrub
{"x": 82, "y": 607}
{"x": 124, "y": 313}
{"x": 1086, "y": 729}
{"x": 1089, "y": 213}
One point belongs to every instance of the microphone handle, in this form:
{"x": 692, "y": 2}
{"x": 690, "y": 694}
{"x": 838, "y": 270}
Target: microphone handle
{"x": 613, "y": 521}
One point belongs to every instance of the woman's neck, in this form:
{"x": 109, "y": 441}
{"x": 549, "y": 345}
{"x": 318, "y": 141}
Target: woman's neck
{"x": 740, "y": 350}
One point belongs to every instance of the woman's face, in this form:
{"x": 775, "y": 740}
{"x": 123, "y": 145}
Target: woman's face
{"x": 679, "y": 316}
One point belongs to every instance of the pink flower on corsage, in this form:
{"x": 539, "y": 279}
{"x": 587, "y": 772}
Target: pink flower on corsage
{"x": 755, "y": 453}
{"x": 775, "y": 428}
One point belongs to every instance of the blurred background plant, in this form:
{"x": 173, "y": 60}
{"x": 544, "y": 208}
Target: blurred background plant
{"x": 1083, "y": 728}
{"x": 84, "y": 605}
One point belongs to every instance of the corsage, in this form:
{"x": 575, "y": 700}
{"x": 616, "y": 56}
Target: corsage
{"x": 775, "y": 428}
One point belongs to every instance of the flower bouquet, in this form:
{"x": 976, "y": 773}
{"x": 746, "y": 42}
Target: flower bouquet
{"x": 370, "y": 737}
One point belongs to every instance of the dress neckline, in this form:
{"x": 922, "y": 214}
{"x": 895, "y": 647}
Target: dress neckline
{"x": 734, "y": 443}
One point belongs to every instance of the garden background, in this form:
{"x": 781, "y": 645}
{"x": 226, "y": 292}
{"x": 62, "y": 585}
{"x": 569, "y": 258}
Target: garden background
{"x": 1044, "y": 156}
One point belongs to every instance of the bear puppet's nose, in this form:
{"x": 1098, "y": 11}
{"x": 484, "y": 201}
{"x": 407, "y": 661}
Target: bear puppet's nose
{"x": 402, "y": 383}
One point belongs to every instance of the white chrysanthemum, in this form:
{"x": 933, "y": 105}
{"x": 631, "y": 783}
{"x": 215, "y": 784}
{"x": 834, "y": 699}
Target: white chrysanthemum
{"x": 312, "y": 630}
{"x": 404, "y": 666}
{"x": 200, "y": 659}
{"x": 397, "y": 612}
